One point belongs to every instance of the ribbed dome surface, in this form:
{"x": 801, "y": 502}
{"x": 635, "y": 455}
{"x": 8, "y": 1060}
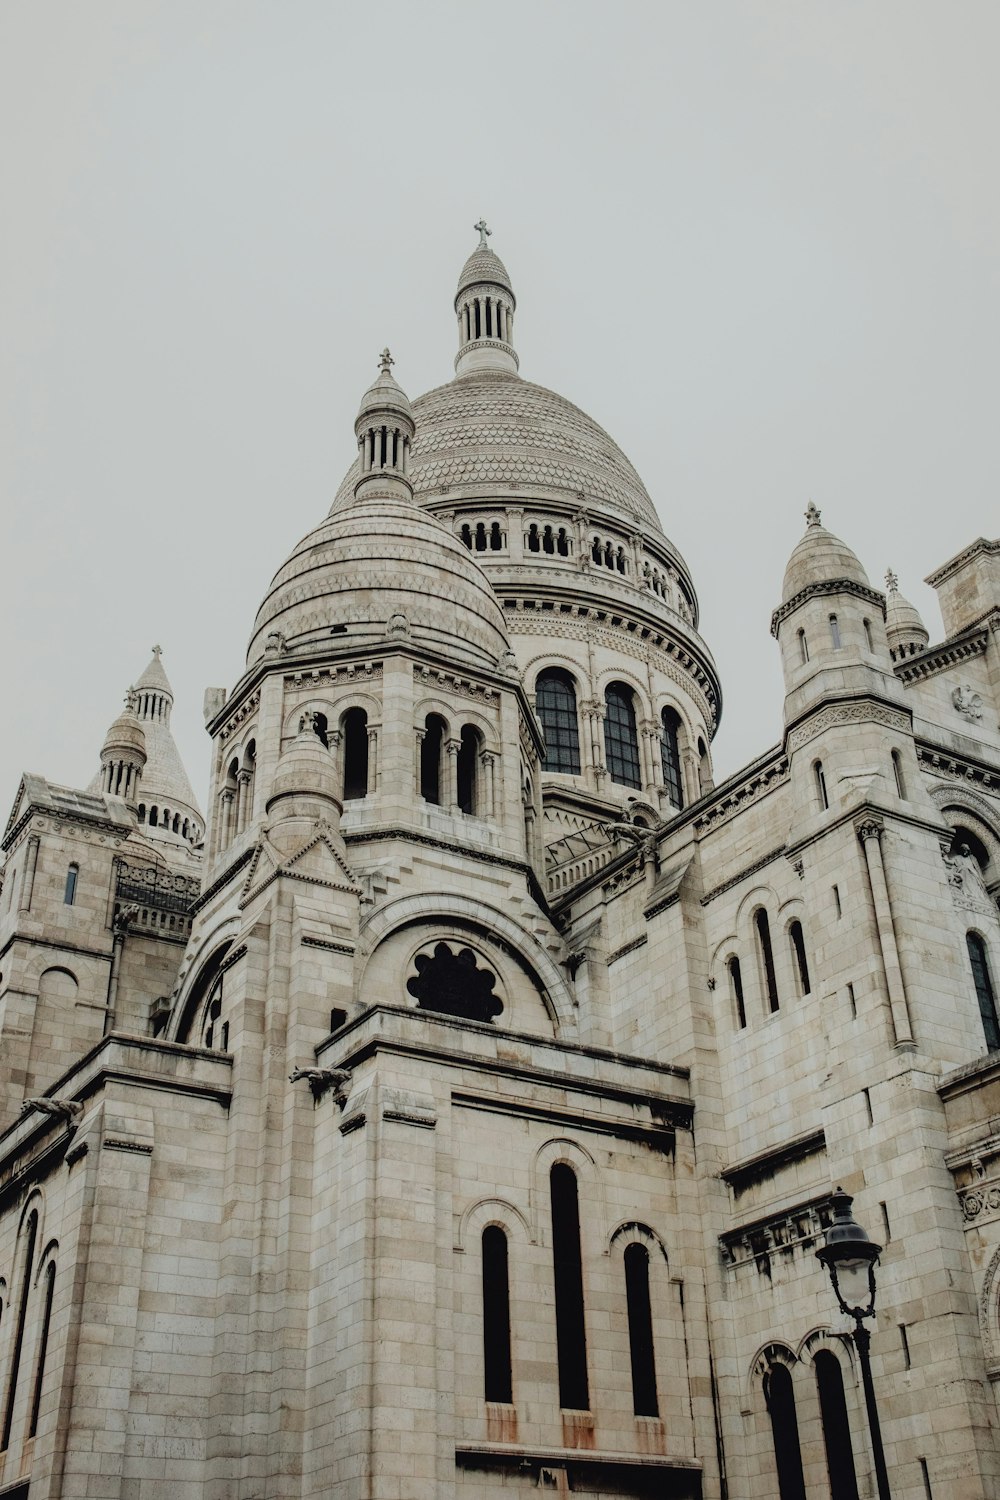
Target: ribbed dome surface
{"x": 820, "y": 557}
{"x": 125, "y": 734}
{"x": 493, "y": 429}
{"x": 372, "y": 561}
{"x": 903, "y": 624}
{"x": 385, "y": 395}
{"x": 482, "y": 265}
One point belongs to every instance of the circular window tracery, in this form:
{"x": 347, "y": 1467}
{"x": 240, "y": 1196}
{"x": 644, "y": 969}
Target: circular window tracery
{"x": 452, "y": 983}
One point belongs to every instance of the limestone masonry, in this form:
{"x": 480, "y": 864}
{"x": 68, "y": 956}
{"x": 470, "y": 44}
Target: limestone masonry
{"x": 454, "y": 1107}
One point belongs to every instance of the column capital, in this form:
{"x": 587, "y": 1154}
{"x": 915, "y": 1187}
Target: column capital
{"x": 869, "y": 827}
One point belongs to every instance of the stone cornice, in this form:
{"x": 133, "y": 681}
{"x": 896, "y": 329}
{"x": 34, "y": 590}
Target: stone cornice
{"x": 963, "y": 647}
{"x": 980, "y": 545}
{"x": 959, "y": 767}
{"x": 743, "y": 1174}
{"x": 783, "y": 1233}
{"x": 855, "y": 708}
{"x": 818, "y": 590}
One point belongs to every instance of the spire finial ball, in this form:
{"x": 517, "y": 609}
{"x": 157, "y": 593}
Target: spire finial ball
{"x": 812, "y": 514}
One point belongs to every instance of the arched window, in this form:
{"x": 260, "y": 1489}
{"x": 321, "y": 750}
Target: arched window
{"x": 766, "y": 958}
{"x": 897, "y": 771}
{"x": 780, "y": 1400}
{"x": 835, "y": 632}
{"x": 27, "y": 1266}
{"x": 548, "y": 540}
{"x": 496, "y": 1316}
{"x": 533, "y": 541}
{"x": 824, "y": 800}
{"x": 496, "y": 537}
{"x": 69, "y": 893}
{"x": 640, "y": 1332}
{"x": 355, "y": 754}
{"x": 736, "y": 989}
{"x": 562, "y": 543}
{"x": 43, "y": 1347}
{"x": 556, "y": 700}
{"x": 480, "y": 536}
{"x": 799, "y": 954}
{"x": 468, "y": 767}
{"x": 142, "y": 812}
{"x": 571, "y": 1335}
{"x": 868, "y": 636}
{"x": 430, "y": 758}
{"x": 621, "y": 741}
{"x": 803, "y": 646}
{"x": 154, "y": 817}
{"x": 836, "y": 1428}
{"x": 466, "y": 534}
{"x": 985, "y": 993}
{"x": 670, "y": 755}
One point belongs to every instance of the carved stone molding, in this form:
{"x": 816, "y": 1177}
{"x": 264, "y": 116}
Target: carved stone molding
{"x": 797, "y": 1229}
{"x": 239, "y": 718}
{"x": 828, "y": 586}
{"x": 732, "y": 798}
{"x": 848, "y": 713}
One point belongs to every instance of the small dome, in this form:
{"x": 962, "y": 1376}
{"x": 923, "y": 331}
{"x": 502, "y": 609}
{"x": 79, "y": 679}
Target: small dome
{"x": 820, "y": 557}
{"x": 307, "y": 767}
{"x": 377, "y": 558}
{"x": 903, "y": 625}
{"x": 125, "y": 735}
{"x": 385, "y": 395}
{"x": 483, "y": 265}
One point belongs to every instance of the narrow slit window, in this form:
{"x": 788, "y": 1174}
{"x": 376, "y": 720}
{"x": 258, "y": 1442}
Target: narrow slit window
{"x": 468, "y": 762}
{"x": 27, "y": 1267}
{"x": 498, "y": 1385}
{"x": 836, "y": 1427}
{"x": 43, "y": 1346}
{"x": 803, "y": 647}
{"x": 824, "y": 800}
{"x": 736, "y": 988}
{"x": 571, "y": 1336}
{"x": 835, "y": 632}
{"x": 897, "y": 771}
{"x": 767, "y": 959}
{"x": 640, "y": 1332}
{"x": 799, "y": 954}
{"x": 69, "y": 894}
{"x": 430, "y": 759}
{"x": 985, "y": 993}
{"x": 868, "y": 636}
{"x": 780, "y": 1400}
{"x": 670, "y": 755}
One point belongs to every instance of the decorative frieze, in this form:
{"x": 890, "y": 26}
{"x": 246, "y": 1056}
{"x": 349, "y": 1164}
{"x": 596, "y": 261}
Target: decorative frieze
{"x": 796, "y": 1230}
{"x": 836, "y": 714}
{"x": 940, "y": 658}
{"x": 958, "y": 767}
{"x": 236, "y": 720}
{"x": 733, "y": 797}
{"x": 465, "y": 687}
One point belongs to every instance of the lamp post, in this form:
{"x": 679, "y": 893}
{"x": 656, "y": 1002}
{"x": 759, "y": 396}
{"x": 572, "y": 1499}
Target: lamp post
{"x": 851, "y": 1257}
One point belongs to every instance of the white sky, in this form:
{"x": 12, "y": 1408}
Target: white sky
{"x": 757, "y": 242}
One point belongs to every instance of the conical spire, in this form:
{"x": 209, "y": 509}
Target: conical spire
{"x": 484, "y": 305}
{"x": 384, "y": 428}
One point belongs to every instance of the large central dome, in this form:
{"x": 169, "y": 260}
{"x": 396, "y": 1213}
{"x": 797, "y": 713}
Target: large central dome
{"x": 491, "y": 431}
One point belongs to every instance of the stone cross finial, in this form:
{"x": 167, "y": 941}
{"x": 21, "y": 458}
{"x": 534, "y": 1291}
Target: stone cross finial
{"x": 483, "y": 232}
{"x": 131, "y": 701}
{"x": 812, "y": 514}
{"x": 385, "y": 360}
{"x": 157, "y": 650}
{"x": 891, "y": 581}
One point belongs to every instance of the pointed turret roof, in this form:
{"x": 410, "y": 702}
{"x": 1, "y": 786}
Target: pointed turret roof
{"x": 154, "y": 676}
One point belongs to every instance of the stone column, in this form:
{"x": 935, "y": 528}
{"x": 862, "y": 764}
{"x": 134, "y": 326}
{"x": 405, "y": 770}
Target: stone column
{"x": 28, "y": 878}
{"x": 372, "y": 760}
{"x": 581, "y": 521}
{"x": 452, "y": 748}
{"x": 419, "y": 750}
{"x": 869, "y": 832}
{"x": 515, "y": 533}
{"x": 242, "y": 799}
{"x": 226, "y": 817}
{"x": 488, "y": 760}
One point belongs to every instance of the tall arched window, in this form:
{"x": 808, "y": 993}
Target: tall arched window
{"x": 766, "y": 959}
{"x": 799, "y": 954}
{"x": 836, "y": 1428}
{"x": 820, "y": 778}
{"x": 69, "y": 893}
{"x": 468, "y": 769}
{"x": 640, "y": 1332}
{"x": 897, "y": 771}
{"x": 985, "y": 993}
{"x": 670, "y": 755}
{"x": 835, "y": 632}
{"x": 571, "y": 1335}
{"x": 555, "y": 696}
{"x": 780, "y": 1400}
{"x": 355, "y": 754}
{"x": 621, "y": 739}
{"x": 496, "y": 1316}
{"x": 430, "y": 758}
{"x": 736, "y": 988}
{"x": 27, "y": 1267}
{"x": 803, "y": 646}
{"x": 43, "y": 1347}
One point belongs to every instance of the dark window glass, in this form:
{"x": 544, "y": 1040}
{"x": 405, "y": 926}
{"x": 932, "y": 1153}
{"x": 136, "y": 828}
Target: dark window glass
{"x": 799, "y": 950}
{"x": 43, "y": 1346}
{"x": 571, "y": 1336}
{"x": 736, "y": 983}
{"x": 785, "y": 1433}
{"x": 468, "y": 760}
{"x": 355, "y": 754}
{"x": 984, "y": 989}
{"x": 640, "y": 1332}
{"x": 496, "y": 1316}
{"x": 556, "y": 700}
{"x": 767, "y": 959}
{"x": 621, "y": 742}
{"x": 836, "y": 1429}
{"x": 670, "y": 755}
{"x": 430, "y": 759}
{"x": 22, "y": 1312}
{"x": 69, "y": 894}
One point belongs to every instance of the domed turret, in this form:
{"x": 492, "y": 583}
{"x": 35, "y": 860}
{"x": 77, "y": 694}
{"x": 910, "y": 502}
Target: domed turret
{"x": 820, "y": 557}
{"x": 304, "y": 790}
{"x": 904, "y": 627}
{"x": 123, "y": 754}
{"x": 384, "y": 429}
{"x": 484, "y": 305}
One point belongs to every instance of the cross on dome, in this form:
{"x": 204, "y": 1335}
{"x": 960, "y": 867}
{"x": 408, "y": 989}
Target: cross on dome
{"x": 483, "y": 232}
{"x": 157, "y": 650}
{"x": 385, "y": 360}
{"x": 812, "y": 514}
{"x": 891, "y": 581}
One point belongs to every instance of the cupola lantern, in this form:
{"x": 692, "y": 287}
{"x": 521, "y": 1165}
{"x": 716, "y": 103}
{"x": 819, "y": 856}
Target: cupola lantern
{"x": 484, "y": 306}
{"x": 385, "y": 429}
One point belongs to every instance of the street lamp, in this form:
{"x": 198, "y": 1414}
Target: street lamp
{"x": 851, "y": 1257}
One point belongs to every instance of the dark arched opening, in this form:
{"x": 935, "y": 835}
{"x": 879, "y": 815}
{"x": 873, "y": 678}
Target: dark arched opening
{"x": 836, "y": 1428}
{"x": 430, "y": 758}
{"x": 468, "y": 764}
{"x": 780, "y": 1400}
{"x": 670, "y": 755}
{"x": 571, "y": 1335}
{"x": 496, "y": 1316}
{"x": 355, "y": 754}
{"x": 640, "y": 1332}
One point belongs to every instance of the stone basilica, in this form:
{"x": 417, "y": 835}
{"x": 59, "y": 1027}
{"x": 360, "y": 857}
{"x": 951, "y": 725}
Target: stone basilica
{"x": 456, "y": 1108}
